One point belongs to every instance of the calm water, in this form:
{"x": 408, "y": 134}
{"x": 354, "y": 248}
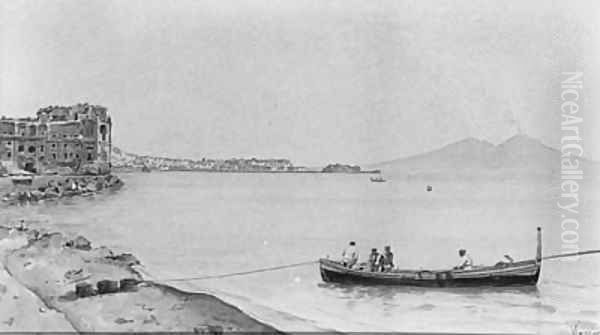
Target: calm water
{"x": 191, "y": 224}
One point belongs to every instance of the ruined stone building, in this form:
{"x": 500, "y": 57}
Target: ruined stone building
{"x": 58, "y": 136}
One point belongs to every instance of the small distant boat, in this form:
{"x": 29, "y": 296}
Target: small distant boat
{"x": 377, "y": 179}
{"x": 22, "y": 179}
{"x": 522, "y": 273}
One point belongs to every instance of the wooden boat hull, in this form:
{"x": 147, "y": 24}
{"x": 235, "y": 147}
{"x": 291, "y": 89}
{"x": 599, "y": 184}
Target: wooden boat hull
{"x": 22, "y": 181}
{"x": 525, "y": 273}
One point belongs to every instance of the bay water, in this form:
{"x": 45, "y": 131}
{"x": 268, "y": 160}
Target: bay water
{"x": 186, "y": 224}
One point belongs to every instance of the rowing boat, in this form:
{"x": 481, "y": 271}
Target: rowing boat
{"x": 524, "y": 273}
{"x": 22, "y": 179}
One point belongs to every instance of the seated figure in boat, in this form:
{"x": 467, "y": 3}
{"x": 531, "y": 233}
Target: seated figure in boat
{"x": 466, "y": 262}
{"x": 373, "y": 263}
{"x": 350, "y": 255}
{"x": 505, "y": 262}
{"x": 386, "y": 261}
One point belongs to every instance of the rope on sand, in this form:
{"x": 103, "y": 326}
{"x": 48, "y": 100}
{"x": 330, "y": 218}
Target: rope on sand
{"x": 233, "y": 274}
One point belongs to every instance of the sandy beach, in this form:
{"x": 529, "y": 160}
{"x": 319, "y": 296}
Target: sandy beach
{"x": 42, "y": 268}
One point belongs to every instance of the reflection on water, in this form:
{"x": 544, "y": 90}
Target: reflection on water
{"x": 352, "y": 291}
{"x": 195, "y": 224}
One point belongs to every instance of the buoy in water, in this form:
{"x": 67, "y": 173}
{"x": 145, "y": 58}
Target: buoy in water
{"x": 429, "y": 188}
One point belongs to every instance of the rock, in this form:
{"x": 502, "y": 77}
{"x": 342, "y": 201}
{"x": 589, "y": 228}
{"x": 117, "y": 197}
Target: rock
{"x": 122, "y": 321}
{"x": 10, "y": 321}
{"x": 209, "y": 329}
{"x": 126, "y": 258}
{"x": 73, "y": 274}
{"x": 83, "y": 290}
{"x": 128, "y": 284}
{"x": 152, "y": 319}
{"x": 80, "y": 243}
{"x": 107, "y": 286}
{"x": 146, "y": 308}
{"x": 176, "y": 307}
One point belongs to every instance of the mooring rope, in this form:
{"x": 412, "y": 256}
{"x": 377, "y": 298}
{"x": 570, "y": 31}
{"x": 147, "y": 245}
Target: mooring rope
{"x": 572, "y": 254}
{"x": 293, "y": 265}
{"x": 233, "y": 274}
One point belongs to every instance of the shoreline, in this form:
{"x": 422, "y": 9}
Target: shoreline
{"x": 133, "y": 170}
{"x": 51, "y": 265}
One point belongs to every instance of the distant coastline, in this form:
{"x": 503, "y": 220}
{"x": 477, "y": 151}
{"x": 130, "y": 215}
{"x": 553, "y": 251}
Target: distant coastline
{"x": 135, "y": 169}
{"x": 128, "y": 162}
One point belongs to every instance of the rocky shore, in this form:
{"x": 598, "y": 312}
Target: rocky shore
{"x": 55, "y": 282}
{"x": 49, "y": 188}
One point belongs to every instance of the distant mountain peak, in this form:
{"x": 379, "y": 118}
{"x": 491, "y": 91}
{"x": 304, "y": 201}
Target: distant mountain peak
{"x": 519, "y": 152}
{"x": 471, "y": 141}
{"x": 524, "y": 143}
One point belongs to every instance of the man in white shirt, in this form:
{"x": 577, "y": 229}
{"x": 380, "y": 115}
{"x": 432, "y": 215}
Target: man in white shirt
{"x": 350, "y": 255}
{"x": 466, "y": 262}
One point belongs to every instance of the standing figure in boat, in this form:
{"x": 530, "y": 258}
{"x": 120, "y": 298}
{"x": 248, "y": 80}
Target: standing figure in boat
{"x": 386, "y": 261}
{"x": 373, "y": 260}
{"x": 466, "y": 262}
{"x": 350, "y": 255}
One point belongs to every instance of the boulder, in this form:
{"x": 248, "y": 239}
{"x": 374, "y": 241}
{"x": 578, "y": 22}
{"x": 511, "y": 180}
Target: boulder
{"x": 128, "y": 284}
{"x": 107, "y": 286}
{"x": 126, "y": 259}
{"x": 83, "y": 290}
{"x": 74, "y": 274}
{"x": 80, "y": 243}
{"x": 208, "y": 329}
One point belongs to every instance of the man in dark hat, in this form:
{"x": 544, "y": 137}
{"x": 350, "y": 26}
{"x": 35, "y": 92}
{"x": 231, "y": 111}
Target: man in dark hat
{"x": 466, "y": 262}
{"x": 373, "y": 260}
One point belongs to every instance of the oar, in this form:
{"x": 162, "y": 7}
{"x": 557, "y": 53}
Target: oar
{"x": 572, "y": 254}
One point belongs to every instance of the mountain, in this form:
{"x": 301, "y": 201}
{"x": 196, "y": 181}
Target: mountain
{"x": 519, "y": 155}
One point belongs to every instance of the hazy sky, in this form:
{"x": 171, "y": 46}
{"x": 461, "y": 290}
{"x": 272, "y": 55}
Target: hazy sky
{"x": 315, "y": 81}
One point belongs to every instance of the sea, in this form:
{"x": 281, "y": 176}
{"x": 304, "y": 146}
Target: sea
{"x": 192, "y": 224}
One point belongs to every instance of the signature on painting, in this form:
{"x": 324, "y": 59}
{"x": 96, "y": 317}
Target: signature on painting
{"x": 584, "y": 329}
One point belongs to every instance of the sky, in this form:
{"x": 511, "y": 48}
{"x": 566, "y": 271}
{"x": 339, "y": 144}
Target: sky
{"x": 316, "y": 81}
